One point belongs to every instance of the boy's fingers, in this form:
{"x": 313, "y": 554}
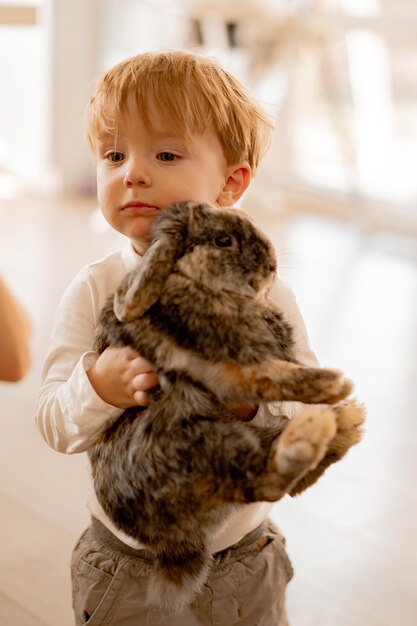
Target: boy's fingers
{"x": 141, "y": 365}
{"x": 141, "y": 398}
{"x": 145, "y": 381}
{"x": 130, "y": 353}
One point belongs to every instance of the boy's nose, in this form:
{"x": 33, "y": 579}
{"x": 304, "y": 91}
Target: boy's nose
{"x": 136, "y": 177}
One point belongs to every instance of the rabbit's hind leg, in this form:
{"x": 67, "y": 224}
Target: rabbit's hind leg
{"x": 298, "y": 449}
{"x": 304, "y": 442}
{"x": 349, "y": 427}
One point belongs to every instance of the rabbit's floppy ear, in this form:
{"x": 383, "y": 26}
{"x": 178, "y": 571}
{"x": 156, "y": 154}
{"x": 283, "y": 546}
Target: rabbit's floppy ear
{"x": 141, "y": 288}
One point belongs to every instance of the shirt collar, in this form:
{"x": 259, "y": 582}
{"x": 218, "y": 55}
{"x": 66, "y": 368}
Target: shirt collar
{"x": 130, "y": 257}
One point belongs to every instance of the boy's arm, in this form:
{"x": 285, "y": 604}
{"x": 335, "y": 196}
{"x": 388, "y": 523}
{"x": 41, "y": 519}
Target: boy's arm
{"x": 244, "y": 413}
{"x": 69, "y": 413}
{"x": 285, "y": 300}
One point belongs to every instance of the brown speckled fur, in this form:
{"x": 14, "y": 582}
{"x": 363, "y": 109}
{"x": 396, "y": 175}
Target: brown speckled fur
{"x": 198, "y": 310}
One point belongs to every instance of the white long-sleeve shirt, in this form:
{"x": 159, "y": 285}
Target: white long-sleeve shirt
{"x": 69, "y": 413}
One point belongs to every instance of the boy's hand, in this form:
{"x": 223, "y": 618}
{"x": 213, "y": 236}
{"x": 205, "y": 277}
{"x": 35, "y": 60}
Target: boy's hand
{"x": 121, "y": 377}
{"x": 243, "y": 412}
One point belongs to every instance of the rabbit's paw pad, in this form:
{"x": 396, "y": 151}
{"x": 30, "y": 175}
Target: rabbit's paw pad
{"x": 305, "y": 440}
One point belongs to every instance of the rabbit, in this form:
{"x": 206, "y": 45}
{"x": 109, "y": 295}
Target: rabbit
{"x": 198, "y": 310}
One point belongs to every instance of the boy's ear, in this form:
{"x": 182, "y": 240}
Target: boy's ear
{"x": 237, "y": 181}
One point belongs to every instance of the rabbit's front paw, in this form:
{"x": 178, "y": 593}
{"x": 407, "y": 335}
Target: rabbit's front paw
{"x": 317, "y": 386}
{"x": 305, "y": 440}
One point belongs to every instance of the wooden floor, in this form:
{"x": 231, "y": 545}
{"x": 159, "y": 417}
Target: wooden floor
{"x": 352, "y": 538}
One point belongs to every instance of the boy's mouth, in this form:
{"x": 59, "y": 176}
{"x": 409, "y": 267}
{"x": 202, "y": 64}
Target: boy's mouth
{"x": 139, "y": 208}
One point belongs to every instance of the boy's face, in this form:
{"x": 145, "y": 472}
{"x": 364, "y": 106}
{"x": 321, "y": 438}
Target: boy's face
{"x": 144, "y": 169}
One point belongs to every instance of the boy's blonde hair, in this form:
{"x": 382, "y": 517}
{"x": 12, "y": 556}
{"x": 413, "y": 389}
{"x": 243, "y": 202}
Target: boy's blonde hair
{"x": 192, "y": 92}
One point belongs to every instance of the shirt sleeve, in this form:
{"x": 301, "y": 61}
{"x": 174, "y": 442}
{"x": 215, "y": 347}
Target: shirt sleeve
{"x": 69, "y": 413}
{"x": 285, "y": 299}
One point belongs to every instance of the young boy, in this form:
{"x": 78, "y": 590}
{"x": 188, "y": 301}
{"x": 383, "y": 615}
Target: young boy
{"x": 162, "y": 127}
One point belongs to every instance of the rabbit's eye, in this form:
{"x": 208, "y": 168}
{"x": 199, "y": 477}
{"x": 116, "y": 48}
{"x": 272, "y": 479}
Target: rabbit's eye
{"x": 224, "y": 241}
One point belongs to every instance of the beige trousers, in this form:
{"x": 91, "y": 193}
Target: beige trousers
{"x": 246, "y": 586}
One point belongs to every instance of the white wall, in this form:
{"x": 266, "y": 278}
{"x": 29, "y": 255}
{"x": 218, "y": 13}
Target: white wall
{"x": 73, "y": 61}
{"x": 23, "y": 100}
{"x": 46, "y": 74}
{"x": 128, "y": 27}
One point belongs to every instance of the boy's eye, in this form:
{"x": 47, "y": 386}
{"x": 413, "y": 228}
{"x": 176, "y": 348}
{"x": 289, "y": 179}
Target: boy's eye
{"x": 166, "y": 157}
{"x": 114, "y": 156}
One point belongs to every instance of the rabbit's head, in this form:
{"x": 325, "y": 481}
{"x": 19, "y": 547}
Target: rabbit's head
{"x": 220, "y": 249}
